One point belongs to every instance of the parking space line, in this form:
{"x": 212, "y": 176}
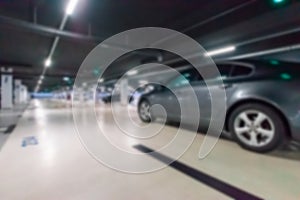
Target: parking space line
{"x": 206, "y": 179}
{"x": 3, "y": 129}
{"x": 10, "y": 129}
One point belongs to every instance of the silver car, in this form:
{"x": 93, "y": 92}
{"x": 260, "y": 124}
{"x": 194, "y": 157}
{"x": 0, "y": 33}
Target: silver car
{"x": 265, "y": 116}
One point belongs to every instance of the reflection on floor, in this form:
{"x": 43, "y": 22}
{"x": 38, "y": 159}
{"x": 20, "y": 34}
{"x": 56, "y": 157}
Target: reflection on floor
{"x": 58, "y": 167}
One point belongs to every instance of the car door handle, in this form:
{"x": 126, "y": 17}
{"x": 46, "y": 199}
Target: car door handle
{"x": 225, "y": 86}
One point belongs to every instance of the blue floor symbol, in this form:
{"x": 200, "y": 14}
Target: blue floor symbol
{"x": 32, "y": 140}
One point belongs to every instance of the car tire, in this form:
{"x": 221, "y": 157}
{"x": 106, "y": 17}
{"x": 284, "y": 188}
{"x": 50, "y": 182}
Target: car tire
{"x": 144, "y": 111}
{"x": 257, "y": 127}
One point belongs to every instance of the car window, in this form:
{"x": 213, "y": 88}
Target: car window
{"x": 225, "y": 70}
{"x": 184, "y": 79}
{"x": 241, "y": 71}
{"x": 194, "y": 76}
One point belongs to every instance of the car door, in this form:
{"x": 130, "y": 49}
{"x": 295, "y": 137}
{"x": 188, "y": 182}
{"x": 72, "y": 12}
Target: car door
{"x": 180, "y": 95}
{"x": 232, "y": 74}
{"x": 213, "y": 83}
{"x": 240, "y": 73}
{"x": 166, "y": 97}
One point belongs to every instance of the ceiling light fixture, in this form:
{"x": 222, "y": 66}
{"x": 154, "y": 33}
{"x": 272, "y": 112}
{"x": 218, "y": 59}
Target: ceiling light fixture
{"x": 101, "y": 80}
{"x": 143, "y": 82}
{"x": 220, "y": 51}
{"x": 131, "y": 73}
{"x": 71, "y": 7}
{"x": 66, "y": 79}
{"x": 278, "y": 1}
{"x": 37, "y": 89}
{"x": 48, "y": 62}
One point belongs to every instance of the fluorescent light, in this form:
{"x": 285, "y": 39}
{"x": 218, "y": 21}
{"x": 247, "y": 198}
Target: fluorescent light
{"x": 40, "y": 82}
{"x": 37, "y": 89}
{"x": 66, "y": 78}
{"x": 42, "y": 78}
{"x": 48, "y": 62}
{"x": 143, "y": 82}
{"x": 220, "y": 51}
{"x": 101, "y": 80}
{"x": 131, "y": 73}
{"x": 278, "y": 1}
{"x": 71, "y": 7}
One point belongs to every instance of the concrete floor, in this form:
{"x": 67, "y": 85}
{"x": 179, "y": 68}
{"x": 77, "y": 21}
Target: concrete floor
{"x": 58, "y": 167}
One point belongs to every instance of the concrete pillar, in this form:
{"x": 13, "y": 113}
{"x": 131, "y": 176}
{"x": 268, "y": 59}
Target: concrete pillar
{"x": 18, "y": 92}
{"x": 23, "y": 94}
{"x": 6, "y": 88}
{"x": 124, "y": 91}
{"x": 82, "y": 93}
{"x": 26, "y": 94}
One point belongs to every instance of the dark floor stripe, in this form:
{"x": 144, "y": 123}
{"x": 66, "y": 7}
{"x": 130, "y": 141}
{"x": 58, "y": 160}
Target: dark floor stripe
{"x": 10, "y": 129}
{"x": 208, "y": 180}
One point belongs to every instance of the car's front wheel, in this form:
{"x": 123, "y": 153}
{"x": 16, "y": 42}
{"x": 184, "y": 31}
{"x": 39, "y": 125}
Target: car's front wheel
{"x": 257, "y": 127}
{"x": 144, "y": 111}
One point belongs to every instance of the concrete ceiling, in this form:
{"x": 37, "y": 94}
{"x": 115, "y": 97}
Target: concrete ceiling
{"x": 209, "y": 22}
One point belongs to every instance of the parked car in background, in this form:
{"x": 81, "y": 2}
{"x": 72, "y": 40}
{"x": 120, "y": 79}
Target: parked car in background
{"x": 105, "y": 91}
{"x": 135, "y": 96}
{"x": 263, "y": 101}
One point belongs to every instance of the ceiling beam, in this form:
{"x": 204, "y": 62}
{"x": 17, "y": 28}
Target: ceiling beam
{"x": 46, "y": 30}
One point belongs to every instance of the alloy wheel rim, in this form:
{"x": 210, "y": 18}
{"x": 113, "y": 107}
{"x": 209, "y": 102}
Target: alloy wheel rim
{"x": 254, "y": 128}
{"x": 145, "y": 111}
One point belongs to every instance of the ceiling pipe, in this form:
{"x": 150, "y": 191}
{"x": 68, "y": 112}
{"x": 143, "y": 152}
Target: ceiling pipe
{"x": 46, "y": 30}
{"x": 49, "y": 31}
{"x": 250, "y": 41}
{"x": 270, "y": 36}
{"x": 265, "y": 52}
{"x": 206, "y": 21}
{"x": 220, "y": 15}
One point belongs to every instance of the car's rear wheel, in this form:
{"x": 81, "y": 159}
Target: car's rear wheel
{"x": 144, "y": 111}
{"x": 257, "y": 127}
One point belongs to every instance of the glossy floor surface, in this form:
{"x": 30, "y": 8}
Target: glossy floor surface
{"x": 53, "y": 164}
